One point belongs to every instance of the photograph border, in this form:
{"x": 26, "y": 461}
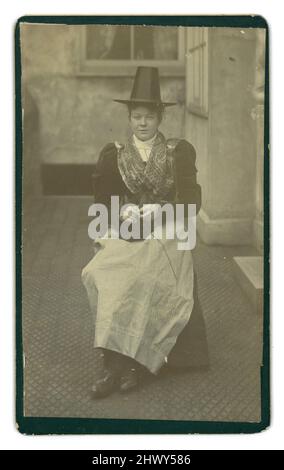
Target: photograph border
{"x": 43, "y": 425}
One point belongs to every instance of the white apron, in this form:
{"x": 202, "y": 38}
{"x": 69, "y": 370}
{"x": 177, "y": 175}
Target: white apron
{"x": 141, "y": 295}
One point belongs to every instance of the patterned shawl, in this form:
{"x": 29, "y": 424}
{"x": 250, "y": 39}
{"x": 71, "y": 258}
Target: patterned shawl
{"x": 153, "y": 179}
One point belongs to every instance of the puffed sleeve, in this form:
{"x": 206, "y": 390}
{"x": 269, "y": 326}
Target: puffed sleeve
{"x": 188, "y": 191}
{"x": 105, "y": 178}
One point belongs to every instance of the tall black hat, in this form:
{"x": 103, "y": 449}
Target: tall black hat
{"x": 146, "y": 88}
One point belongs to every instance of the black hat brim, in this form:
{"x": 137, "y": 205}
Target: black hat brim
{"x": 128, "y": 102}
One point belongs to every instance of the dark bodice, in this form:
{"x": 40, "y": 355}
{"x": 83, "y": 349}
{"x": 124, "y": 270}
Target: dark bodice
{"x": 107, "y": 180}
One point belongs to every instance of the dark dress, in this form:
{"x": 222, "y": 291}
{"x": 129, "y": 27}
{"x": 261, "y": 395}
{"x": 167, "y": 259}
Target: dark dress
{"x": 190, "y": 349}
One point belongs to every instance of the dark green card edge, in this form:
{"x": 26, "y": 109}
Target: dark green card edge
{"x": 42, "y": 425}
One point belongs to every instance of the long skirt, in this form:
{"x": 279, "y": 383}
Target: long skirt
{"x": 141, "y": 296}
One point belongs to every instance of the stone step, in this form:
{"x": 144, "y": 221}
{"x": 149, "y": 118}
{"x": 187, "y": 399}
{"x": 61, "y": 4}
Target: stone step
{"x": 249, "y": 274}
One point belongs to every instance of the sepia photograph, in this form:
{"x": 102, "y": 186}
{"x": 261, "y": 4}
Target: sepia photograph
{"x": 142, "y": 170}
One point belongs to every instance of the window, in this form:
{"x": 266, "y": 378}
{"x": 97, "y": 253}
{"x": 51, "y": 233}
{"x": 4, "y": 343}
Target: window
{"x": 118, "y": 50}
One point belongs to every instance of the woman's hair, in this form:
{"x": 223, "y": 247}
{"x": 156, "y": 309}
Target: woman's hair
{"x": 156, "y": 108}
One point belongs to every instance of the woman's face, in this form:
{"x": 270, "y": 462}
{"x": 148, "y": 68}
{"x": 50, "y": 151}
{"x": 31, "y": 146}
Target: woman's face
{"x": 144, "y": 122}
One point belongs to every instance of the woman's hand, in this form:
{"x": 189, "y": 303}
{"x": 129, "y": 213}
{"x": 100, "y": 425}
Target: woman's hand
{"x": 131, "y": 213}
{"x": 134, "y": 213}
{"x": 149, "y": 210}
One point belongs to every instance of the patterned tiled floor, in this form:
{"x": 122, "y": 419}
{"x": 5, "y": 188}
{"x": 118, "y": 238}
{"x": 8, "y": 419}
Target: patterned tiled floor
{"x": 60, "y": 362}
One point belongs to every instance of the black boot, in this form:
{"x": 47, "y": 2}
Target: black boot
{"x": 129, "y": 380}
{"x": 129, "y": 376}
{"x": 107, "y": 382}
{"x": 105, "y": 385}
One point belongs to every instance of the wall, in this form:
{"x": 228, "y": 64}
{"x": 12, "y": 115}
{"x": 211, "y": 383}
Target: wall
{"x": 258, "y": 115}
{"x": 226, "y": 140}
{"x": 76, "y": 114}
{"x": 232, "y": 142}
